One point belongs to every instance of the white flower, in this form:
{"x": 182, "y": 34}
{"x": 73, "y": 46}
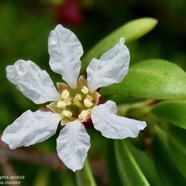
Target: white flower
{"x": 75, "y": 105}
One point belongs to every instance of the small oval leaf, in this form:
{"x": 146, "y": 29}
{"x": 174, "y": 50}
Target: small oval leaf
{"x": 147, "y": 165}
{"x": 172, "y": 111}
{"x": 177, "y": 139}
{"x": 155, "y": 78}
{"x": 163, "y": 157}
{"x": 130, "y": 172}
{"x": 130, "y": 31}
{"x": 113, "y": 172}
{"x": 84, "y": 176}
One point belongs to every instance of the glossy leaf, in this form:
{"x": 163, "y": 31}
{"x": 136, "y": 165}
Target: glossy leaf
{"x": 166, "y": 167}
{"x": 155, "y": 78}
{"x": 172, "y": 111}
{"x": 113, "y": 172}
{"x": 84, "y": 176}
{"x": 147, "y": 165}
{"x": 129, "y": 171}
{"x": 130, "y": 31}
{"x": 177, "y": 139}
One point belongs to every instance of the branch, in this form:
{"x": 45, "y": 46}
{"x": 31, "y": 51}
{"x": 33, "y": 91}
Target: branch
{"x": 6, "y": 167}
{"x": 48, "y": 159}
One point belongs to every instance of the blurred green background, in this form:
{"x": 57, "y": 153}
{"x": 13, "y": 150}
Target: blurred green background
{"x": 24, "y": 30}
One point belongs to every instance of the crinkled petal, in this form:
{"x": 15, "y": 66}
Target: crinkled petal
{"x": 65, "y": 51}
{"x": 31, "y": 128}
{"x": 33, "y": 82}
{"x": 72, "y": 145}
{"x": 112, "y": 126}
{"x": 111, "y": 68}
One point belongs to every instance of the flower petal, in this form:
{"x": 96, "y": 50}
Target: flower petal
{"x": 65, "y": 51}
{"x": 111, "y": 68}
{"x": 33, "y": 82}
{"x": 112, "y": 126}
{"x": 31, "y": 128}
{"x": 73, "y": 144}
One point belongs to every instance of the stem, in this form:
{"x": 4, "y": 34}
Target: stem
{"x": 6, "y": 167}
{"x": 85, "y": 176}
{"x": 78, "y": 104}
{"x": 144, "y": 106}
{"x": 47, "y": 159}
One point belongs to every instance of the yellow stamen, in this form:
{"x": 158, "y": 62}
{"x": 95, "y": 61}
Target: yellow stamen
{"x": 89, "y": 111}
{"x": 90, "y": 97}
{"x": 65, "y": 94}
{"x": 78, "y": 97}
{"x": 67, "y": 113}
{"x": 88, "y": 102}
{"x": 61, "y": 104}
{"x": 83, "y": 115}
{"x": 85, "y": 90}
{"x": 68, "y": 103}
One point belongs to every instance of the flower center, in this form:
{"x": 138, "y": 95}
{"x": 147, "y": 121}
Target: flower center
{"x": 75, "y": 103}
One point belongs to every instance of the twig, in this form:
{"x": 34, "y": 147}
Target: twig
{"x": 6, "y": 166}
{"x": 48, "y": 159}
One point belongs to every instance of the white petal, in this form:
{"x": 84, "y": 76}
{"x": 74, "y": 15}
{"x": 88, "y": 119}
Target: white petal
{"x": 111, "y": 68}
{"x": 65, "y": 51}
{"x": 112, "y": 126}
{"x": 73, "y": 144}
{"x": 33, "y": 82}
{"x": 31, "y": 128}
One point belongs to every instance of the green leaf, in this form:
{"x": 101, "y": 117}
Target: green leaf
{"x": 177, "y": 139}
{"x": 113, "y": 173}
{"x": 167, "y": 169}
{"x": 42, "y": 177}
{"x": 130, "y": 31}
{"x": 84, "y": 176}
{"x": 129, "y": 170}
{"x": 155, "y": 78}
{"x": 172, "y": 111}
{"x": 147, "y": 165}
{"x": 67, "y": 178}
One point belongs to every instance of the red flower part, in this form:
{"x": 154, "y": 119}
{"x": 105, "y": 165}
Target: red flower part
{"x": 70, "y": 13}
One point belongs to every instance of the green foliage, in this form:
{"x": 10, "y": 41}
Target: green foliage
{"x": 129, "y": 165}
{"x": 156, "y": 78}
{"x": 130, "y": 31}
{"x": 176, "y": 140}
{"x": 167, "y": 168}
{"x": 112, "y": 166}
{"x": 147, "y": 165}
{"x": 84, "y": 176}
{"x": 172, "y": 111}
{"x": 129, "y": 170}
